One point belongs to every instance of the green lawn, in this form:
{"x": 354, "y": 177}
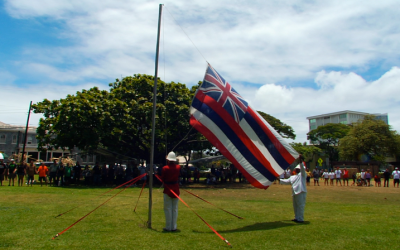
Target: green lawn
{"x": 337, "y": 218}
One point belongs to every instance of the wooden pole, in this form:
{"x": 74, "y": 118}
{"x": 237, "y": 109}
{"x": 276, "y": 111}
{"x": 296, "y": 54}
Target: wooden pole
{"x": 154, "y": 121}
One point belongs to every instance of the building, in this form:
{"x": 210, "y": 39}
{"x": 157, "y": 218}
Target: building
{"x": 12, "y": 142}
{"x": 344, "y": 117}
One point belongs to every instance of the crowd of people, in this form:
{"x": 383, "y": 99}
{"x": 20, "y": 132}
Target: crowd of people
{"x": 341, "y": 177}
{"x": 64, "y": 174}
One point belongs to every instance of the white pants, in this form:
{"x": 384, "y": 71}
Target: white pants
{"x": 171, "y": 212}
{"x": 299, "y": 202}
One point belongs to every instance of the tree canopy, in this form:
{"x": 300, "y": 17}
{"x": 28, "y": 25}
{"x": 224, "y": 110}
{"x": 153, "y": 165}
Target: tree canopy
{"x": 327, "y": 138}
{"x": 282, "y": 128}
{"x": 369, "y": 137}
{"x": 118, "y": 119}
{"x": 308, "y": 151}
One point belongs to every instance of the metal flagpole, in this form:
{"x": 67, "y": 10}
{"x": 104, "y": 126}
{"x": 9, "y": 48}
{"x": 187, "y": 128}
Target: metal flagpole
{"x": 26, "y": 133}
{"x": 154, "y": 120}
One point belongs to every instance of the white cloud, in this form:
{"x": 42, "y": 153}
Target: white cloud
{"x": 253, "y": 41}
{"x": 282, "y": 42}
{"x": 335, "y": 92}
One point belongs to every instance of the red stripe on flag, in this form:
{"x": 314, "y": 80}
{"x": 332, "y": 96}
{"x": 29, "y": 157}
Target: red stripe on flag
{"x": 278, "y": 145}
{"x": 214, "y": 141}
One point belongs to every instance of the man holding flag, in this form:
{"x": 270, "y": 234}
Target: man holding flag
{"x": 299, "y": 192}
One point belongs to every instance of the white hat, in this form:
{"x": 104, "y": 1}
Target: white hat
{"x": 171, "y": 156}
{"x": 297, "y": 167}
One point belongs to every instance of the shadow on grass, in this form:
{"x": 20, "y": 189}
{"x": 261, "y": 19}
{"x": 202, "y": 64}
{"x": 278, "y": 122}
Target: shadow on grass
{"x": 261, "y": 226}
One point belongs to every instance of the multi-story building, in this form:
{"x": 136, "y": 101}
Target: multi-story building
{"x": 344, "y": 117}
{"x": 12, "y": 140}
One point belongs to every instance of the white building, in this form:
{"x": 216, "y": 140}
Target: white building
{"x": 344, "y": 117}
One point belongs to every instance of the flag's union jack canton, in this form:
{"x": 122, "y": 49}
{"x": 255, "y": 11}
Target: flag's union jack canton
{"x": 239, "y": 132}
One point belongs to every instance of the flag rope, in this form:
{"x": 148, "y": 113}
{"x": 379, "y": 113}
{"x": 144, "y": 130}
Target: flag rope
{"x": 97, "y": 196}
{"x": 195, "y": 195}
{"x": 220, "y": 236}
{"x": 144, "y": 184}
{"x": 73, "y": 224}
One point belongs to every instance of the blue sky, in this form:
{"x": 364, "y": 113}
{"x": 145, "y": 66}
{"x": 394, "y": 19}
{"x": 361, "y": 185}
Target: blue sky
{"x": 291, "y": 59}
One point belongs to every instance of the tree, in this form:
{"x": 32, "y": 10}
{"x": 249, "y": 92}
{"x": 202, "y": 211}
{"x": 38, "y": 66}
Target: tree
{"x": 327, "y": 138}
{"x": 369, "y": 137}
{"x": 119, "y": 119}
{"x": 308, "y": 151}
{"x": 283, "y": 129}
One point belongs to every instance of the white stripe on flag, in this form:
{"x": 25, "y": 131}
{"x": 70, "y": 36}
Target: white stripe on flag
{"x": 284, "y": 143}
{"x": 258, "y": 143}
{"x": 203, "y": 119}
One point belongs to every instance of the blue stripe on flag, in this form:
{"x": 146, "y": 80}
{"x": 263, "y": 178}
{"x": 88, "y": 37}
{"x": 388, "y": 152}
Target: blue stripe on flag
{"x": 266, "y": 141}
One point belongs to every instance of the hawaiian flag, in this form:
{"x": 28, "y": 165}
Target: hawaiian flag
{"x": 239, "y": 132}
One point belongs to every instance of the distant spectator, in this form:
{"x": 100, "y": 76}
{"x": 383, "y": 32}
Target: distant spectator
{"x": 377, "y": 180}
{"x": 142, "y": 170}
{"x": 60, "y": 174}
{"x": 308, "y": 172}
{"x": 396, "y": 177}
{"x": 68, "y": 174}
{"x": 363, "y": 182}
{"x": 12, "y": 168}
{"x": 31, "y": 171}
{"x": 325, "y": 174}
{"x": 316, "y": 174}
{"x": 21, "y": 172}
{"x": 77, "y": 173}
{"x": 345, "y": 176}
{"x": 2, "y": 171}
{"x": 386, "y": 176}
{"x": 338, "y": 176}
{"x": 43, "y": 171}
{"x": 87, "y": 174}
{"x": 196, "y": 175}
{"x": 96, "y": 174}
{"x": 53, "y": 172}
{"x": 368, "y": 177}
{"x": 331, "y": 177}
{"x": 119, "y": 173}
{"x": 104, "y": 171}
{"x": 359, "y": 180}
{"x": 354, "y": 177}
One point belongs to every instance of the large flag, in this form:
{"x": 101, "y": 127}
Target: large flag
{"x": 239, "y": 132}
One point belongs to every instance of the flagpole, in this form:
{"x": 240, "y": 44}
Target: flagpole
{"x": 26, "y": 133}
{"x": 154, "y": 121}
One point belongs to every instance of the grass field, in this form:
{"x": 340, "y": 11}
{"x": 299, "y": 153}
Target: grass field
{"x": 336, "y": 218}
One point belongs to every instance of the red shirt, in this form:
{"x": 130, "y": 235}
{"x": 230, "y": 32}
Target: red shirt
{"x": 170, "y": 177}
{"x": 345, "y": 174}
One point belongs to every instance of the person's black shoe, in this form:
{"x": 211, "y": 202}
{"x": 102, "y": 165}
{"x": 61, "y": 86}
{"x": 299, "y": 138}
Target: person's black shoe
{"x": 298, "y": 221}
{"x": 294, "y": 220}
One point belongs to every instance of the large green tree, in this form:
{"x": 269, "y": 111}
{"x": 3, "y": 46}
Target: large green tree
{"x": 282, "y": 128}
{"x": 118, "y": 119}
{"x": 327, "y": 138}
{"x": 369, "y": 137}
{"x": 308, "y": 151}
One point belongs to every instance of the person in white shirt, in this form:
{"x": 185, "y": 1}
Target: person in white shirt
{"x": 363, "y": 183}
{"x": 299, "y": 192}
{"x": 338, "y": 175}
{"x": 331, "y": 177}
{"x": 325, "y": 174}
{"x": 396, "y": 177}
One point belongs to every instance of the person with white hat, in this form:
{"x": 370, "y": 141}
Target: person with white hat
{"x": 170, "y": 177}
{"x": 299, "y": 192}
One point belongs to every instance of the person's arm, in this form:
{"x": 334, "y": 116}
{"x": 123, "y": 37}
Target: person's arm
{"x": 285, "y": 181}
